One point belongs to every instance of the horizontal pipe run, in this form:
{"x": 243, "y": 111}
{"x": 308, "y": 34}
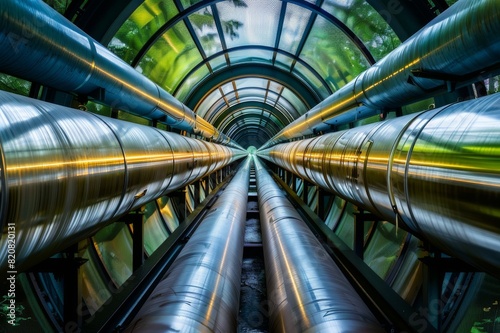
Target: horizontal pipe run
{"x": 307, "y": 291}
{"x": 436, "y": 172}
{"x": 65, "y": 173}
{"x": 40, "y": 45}
{"x": 458, "y": 45}
{"x": 200, "y": 292}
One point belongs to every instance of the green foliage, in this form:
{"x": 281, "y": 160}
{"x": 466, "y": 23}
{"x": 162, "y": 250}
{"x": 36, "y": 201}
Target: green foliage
{"x": 368, "y": 25}
{"x": 4, "y": 311}
{"x": 127, "y": 41}
{"x": 230, "y": 28}
{"x": 59, "y": 5}
{"x": 14, "y": 85}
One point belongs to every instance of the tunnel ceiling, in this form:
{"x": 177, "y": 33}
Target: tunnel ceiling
{"x": 250, "y": 67}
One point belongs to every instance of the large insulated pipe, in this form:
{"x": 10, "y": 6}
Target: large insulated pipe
{"x": 436, "y": 172}
{"x": 65, "y": 173}
{"x": 201, "y": 290}
{"x": 40, "y": 45}
{"x": 307, "y": 291}
{"x": 456, "y": 47}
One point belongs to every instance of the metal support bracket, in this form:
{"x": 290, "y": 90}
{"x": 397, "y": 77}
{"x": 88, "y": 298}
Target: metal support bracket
{"x": 434, "y": 269}
{"x": 360, "y": 218}
{"x": 68, "y": 268}
{"x": 135, "y": 219}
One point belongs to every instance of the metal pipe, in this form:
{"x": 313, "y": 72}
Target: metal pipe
{"x": 200, "y": 292}
{"x": 307, "y": 292}
{"x": 40, "y": 45}
{"x": 459, "y": 46}
{"x": 436, "y": 172}
{"x": 65, "y": 173}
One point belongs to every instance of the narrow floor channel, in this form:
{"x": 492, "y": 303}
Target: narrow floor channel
{"x": 253, "y": 315}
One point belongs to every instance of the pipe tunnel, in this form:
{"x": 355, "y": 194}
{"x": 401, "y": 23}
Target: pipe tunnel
{"x": 250, "y": 74}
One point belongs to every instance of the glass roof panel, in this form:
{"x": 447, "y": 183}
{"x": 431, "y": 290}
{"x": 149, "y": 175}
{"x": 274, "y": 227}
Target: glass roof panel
{"x": 287, "y": 110}
{"x": 366, "y": 23}
{"x": 294, "y": 25}
{"x": 218, "y": 63}
{"x": 250, "y": 22}
{"x": 227, "y": 88}
{"x": 211, "y": 101}
{"x": 251, "y": 55}
{"x": 232, "y": 99}
{"x": 206, "y": 31}
{"x": 189, "y": 3}
{"x": 247, "y": 96}
{"x": 215, "y": 109}
{"x": 253, "y": 94}
{"x": 294, "y": 100}
{"x": 251, "y": 82}
{"x": 170, "y": 58}
{"x": 140, "y": 26}
{"x": 185, "y": 88}
{"x": 272, "y": 98}
{"x": 284, "y": 62}
{"x": 334, "y": 56}
{"x": 250, "y": 116}
{"x": 275, "y": 86}
{"x": 307, "y": 76}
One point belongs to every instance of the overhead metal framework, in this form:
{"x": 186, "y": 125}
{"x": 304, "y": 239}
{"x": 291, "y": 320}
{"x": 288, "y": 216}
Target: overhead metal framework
{"x": 216, "y": 42}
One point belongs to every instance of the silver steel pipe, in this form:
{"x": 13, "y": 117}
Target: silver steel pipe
{"x": 307, "y": 292}
{"x": 65, "y": 173}
{"x": 462, "y": 41}
{"x": 200, "y": 292}
{"x": 438, "y": 172}
{"x": 40, "y": 45}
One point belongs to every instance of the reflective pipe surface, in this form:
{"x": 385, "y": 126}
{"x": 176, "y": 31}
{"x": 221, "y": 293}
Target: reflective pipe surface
{"x": 307, "y": 292}
{"x": 64, "y": 173}
{"x": 463, "y": 40}
{"x": 438, "y": 172}
{"x": 40, "y": 45}
{"x": 200, "y": 292}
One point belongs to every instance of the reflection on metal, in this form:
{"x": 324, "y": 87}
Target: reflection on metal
{"x": 437, "y": 172}
{"x": 200, "y": 292}
{"x": 40, "y": 45}
{"x": 64, "y": 173}
{"x": 464, "y": 40}
{"x": 307, "y": 292}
